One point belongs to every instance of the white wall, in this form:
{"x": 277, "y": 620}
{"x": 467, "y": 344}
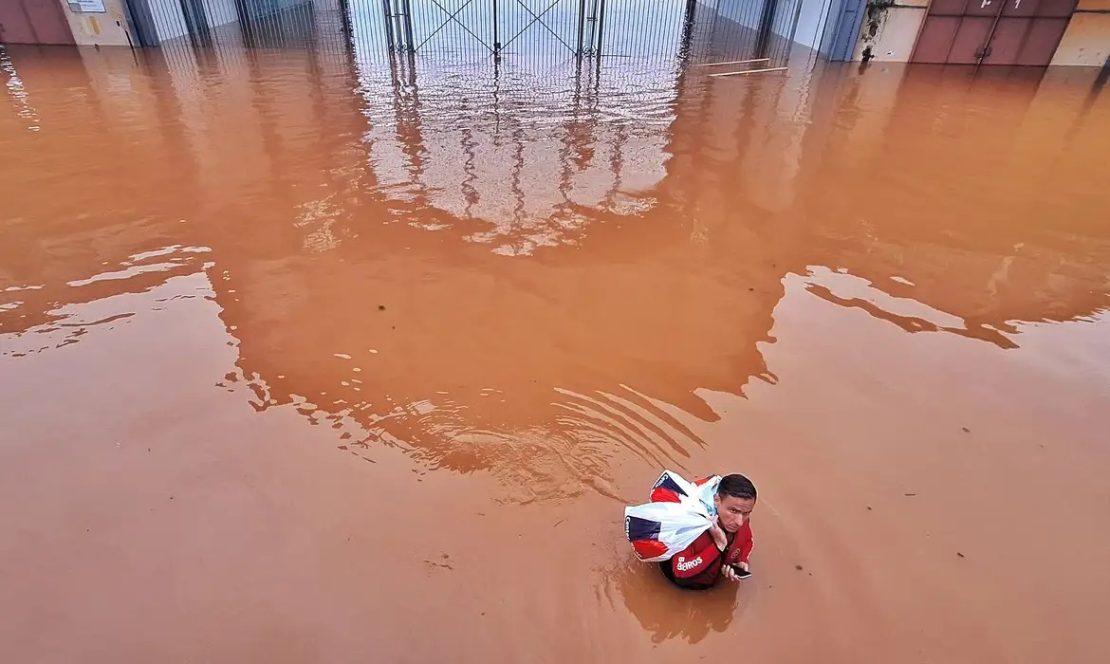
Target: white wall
{"x": 1086, "y": 41}
{"x": 107, "y": 29}
{"x": 895, "y": 32}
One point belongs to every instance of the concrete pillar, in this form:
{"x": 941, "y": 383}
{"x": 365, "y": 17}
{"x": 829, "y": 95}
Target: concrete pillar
{"x": 1086, "y": 41}
{"x": 93, "y": 28}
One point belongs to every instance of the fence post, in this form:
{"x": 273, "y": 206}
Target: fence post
{"x": 496, "y": 34}
{"x": 581, "y": 25}
{"x": 766, "y": 20}
{"x": 396, "y": 7}
{"x": 142, "y": 21}
{"x": 688, "y": 26}
{"x": 345, "y": 17}
{"x": 388, "y": 13}
{"x": 600, "y": 32}
{"x": 408, "y": 28}
{"x": 196, "y": 22}
{"x": 591, "y": 38}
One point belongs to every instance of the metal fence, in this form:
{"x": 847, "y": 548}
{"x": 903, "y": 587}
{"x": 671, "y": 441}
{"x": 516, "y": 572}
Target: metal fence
{"x": 739, "y": 29}
{"x": 535, "y": 27}
{"x": 472, "y": 31}
{"x": 252, "y": 23}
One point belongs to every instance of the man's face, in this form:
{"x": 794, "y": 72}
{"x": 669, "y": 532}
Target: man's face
{"x": 733, "y": 511}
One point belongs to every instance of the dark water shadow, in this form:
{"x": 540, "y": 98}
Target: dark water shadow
{"x": 667, "y": 612}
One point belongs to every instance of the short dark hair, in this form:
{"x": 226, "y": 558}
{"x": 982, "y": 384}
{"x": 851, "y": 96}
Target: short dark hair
{"x": 737, "y": 486}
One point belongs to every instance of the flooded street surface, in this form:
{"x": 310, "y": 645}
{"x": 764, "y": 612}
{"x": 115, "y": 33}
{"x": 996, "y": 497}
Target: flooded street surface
{"x": 303, "y": 361}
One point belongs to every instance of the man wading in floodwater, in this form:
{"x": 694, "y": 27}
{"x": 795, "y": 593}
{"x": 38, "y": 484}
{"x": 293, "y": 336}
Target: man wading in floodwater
{"x": 725, "y": 547}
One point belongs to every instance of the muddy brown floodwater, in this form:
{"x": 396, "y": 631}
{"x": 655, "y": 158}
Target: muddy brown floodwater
{"x": 303, "y": 362}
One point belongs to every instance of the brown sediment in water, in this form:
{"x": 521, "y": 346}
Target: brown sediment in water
{"x": 880, "y": 292}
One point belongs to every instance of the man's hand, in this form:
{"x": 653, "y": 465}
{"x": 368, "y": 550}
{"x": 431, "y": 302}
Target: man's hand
{"x": 718, "y": 534}
{"x": 729, "y": 572}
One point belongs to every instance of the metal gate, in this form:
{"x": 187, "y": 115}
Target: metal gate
{"x": 485, "y": 27}
{"x": 992, "y": 32}
{"x": 568, "y": 27}
{"x": 469, "y": 31}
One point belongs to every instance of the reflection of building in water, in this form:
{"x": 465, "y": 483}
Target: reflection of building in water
{"x": 515, "y": 126}
{"x": 965, "y": 221}
{"x": 350, "y": 218}
{"x": 547, "y": 372}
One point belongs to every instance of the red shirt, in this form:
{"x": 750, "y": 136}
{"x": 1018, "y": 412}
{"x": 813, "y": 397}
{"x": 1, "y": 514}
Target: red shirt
{"x": 699, "y": 565}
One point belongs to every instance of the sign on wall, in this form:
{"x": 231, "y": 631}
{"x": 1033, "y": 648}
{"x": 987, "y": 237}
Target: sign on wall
{"x": 87, "y": 6}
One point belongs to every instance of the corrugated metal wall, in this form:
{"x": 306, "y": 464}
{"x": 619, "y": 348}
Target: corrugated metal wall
{"x": 33, "y": 22}
{"x": 1011, "y": 32}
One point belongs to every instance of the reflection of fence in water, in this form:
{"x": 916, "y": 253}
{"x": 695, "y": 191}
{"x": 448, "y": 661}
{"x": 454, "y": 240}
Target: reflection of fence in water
{"x": 525, "y": 149}
{"x": 522, "y": 160}
{"x": 514, "y": 157}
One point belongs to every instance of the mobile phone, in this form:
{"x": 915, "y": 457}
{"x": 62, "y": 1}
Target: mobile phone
{"x": 741, "y": 573}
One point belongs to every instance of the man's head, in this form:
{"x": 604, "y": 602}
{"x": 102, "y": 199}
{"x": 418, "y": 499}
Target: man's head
{"x": 735, "y": 501}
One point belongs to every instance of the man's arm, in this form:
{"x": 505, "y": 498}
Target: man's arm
{"x": 746, "y": 544}
{"x": 697, "y": 557}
